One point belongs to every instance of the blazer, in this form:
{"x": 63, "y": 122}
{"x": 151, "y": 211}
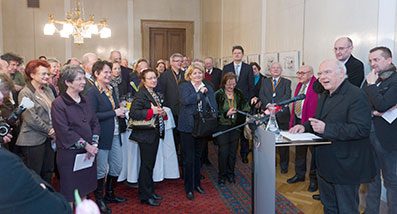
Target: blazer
{"x": 36, "y": 120}
{"x": 168, "y": 86}
{"x": 309, "y": 105}
{"x": 347, "y": 117}
{"x": 140, "y": 110}
{"x": 216, "y": 78}
{"x": 355, "y": 71}
{"x": 382, "y": 98}
{"x": 188, "y": 105}
{"x": 283, "y": 92}
{"x": 246, "y": 80}
{"x": 105, "y": 113}
{"x": 124, "y": 86}
{"x": 73, "y": 121}
{"x": 223, "y": 107}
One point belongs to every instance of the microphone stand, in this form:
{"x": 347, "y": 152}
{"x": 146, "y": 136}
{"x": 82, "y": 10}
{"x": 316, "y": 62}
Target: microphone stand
{"x": 253, "y": 126}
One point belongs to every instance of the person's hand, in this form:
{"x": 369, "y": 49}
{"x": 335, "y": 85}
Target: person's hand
{"x": 297, "y": 129}
{"x": 155, "y": 108}
{"x": 91, "y": 151}
{"x": 254, "y": 100}
{"x": 258, "y": 105}
{"x": 378, "y": 114}
{"x": 120, "y": 112}
{"x": 317, "y": 125}
{"x": 162, "y": 112}
{"x": 372, "y": 77}
{"x": 203, "y": 90}
{"x": 231, "y": 111}
{"x": 7, "y": 138}
{"x": 123, "y": 104}
{"x": 51, "y": 133}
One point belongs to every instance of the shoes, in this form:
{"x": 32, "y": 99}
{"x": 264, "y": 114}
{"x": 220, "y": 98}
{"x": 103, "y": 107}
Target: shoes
{"x": 244, "y": 160}
{"x": 295, "y": 179}
{"x": 316, "y": 196}
{"x": 152, "y": 202}
{"x": 202, "y": 177}
{"x": 157, "y": 197}
{"x": 189, "y": 195}
{"x": 200, "y": 190}
{"x": 99, "y": 197}
{"x": 231, "y": 180}
{"x": 313, "y": 186}
{"x": 110, "y": 196}
{"x": 221, "y": 182}
{"x": 284, "y": 171}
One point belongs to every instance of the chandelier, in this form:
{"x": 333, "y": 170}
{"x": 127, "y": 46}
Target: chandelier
{"x": 76, "y": 26}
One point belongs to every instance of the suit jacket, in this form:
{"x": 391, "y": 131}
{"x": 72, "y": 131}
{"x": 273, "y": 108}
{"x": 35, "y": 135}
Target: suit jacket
{"x": 125, "y": 86}
{"x": 36, "y": 120}
{"x": 105, "y": 113}
{"x": 140, "y": 111}
{"x": 355, "y": 71}
{"x": 246, "y": 80}
{"x": 216, "y": 78}
{"x": 382, "y": 98}
{"x": 188, "y": 105}
{"x": 309, "y": 105}
{"x": 168, "y": 86}
{"x": 283, "y": 92}
{"x": 347, "y": 117}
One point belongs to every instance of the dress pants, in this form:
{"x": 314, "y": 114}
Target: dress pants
{"x": 148, "y": 153}
{"x": 191, "y": 149}
{"x": 385, "y": 161}
{"x": 338, "y": 198}
{"x": 40, "y": 159}
{"x": 110, "y": 161}
{"x": 244, "y": 146}
{"x": 228, "y": 145}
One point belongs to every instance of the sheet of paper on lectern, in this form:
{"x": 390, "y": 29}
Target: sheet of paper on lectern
{"x": 299, "y": 136}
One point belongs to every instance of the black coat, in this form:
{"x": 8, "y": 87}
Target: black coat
{"x": 246, "y": 80}
{"x": 383, "y": 98}
{"x": 355, "y": 71}
{"x": 124, "y": 86}
{"x": 168, "y": 86}
{"x": 258, "y": 85}
{"x": 139, "y": 111}
{"x": 216, "y": 78}
{"x": 347, "y": 117}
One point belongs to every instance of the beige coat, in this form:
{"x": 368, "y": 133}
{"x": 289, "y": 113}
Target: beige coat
{"x": 36, "y": 120}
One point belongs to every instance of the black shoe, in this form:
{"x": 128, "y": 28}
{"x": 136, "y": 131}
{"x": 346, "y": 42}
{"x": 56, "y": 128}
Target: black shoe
{"x": 110, "y": 196}
{"x": 151, "y": 202}
{"x": 221, "y": 182}
{"x": 313, "y": 186}
{"x": 99, "y": 197}
{"x": 231, "y": 180}
{"x": 295, "y": 179}
{"x": 316, "y": 196}
{"x": 189, "y": 195}
{"x": 244, "y": 160}
{"x": 202, "y": 177}
{"x": 284, "y": 171}
{"x": 200, "y": 190}
{"x": 157, "y": 197}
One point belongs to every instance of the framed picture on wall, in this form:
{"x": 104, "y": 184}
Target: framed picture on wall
{"x": 254, "y": 58}
{"x": 289, "y": 61}
{"x": 269, "y": 58}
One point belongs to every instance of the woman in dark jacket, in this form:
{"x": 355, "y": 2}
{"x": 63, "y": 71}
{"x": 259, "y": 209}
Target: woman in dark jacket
{"x": 229, "y": 99}
{"x": 145, "y": 107}
{"x": 192, "y": 147}
{"x": 106, "y": 108}
{"x": 77, "y": 129}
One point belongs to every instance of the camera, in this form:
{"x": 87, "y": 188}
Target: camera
{"x": 5, "y": 125}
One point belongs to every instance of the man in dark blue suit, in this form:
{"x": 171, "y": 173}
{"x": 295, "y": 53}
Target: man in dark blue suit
{"x": 246, "y": 84}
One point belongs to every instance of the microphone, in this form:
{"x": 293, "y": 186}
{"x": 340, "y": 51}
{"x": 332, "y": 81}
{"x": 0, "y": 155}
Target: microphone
{"x": 294, "y": 99}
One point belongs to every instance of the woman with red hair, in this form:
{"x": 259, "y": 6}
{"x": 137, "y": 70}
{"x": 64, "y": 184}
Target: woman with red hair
{"x": 36, "y": 133}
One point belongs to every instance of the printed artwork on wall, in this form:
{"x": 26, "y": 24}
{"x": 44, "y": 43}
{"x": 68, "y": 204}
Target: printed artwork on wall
{"x": 254, "y": 58}
{"x": 269, "y": 58}
{"x": 289, "y": 61}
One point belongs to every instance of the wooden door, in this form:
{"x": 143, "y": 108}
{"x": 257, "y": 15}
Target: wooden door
{"x": 164, "y": 42}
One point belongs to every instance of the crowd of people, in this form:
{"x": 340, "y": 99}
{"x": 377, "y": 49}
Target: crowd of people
{"x": 81, "y": 108}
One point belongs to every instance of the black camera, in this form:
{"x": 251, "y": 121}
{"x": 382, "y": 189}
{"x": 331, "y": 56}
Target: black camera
{"x": 5, "y": 126}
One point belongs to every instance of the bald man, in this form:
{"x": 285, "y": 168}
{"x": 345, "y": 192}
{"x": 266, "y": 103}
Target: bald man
{"x": 89, "y": 60}
{"x": 343, "y": 116}
{"x": 302, "y": 110}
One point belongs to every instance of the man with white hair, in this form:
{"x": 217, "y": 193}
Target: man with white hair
{"x": 343, "y": 116}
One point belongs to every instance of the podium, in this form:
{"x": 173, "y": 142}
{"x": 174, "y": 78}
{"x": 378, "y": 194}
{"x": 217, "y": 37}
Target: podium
{"x": 264, "y": 167}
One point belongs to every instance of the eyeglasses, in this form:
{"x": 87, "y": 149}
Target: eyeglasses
{"x": 301, "y": 73}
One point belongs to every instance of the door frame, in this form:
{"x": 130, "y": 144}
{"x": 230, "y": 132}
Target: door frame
{"x": 145, "y": 30}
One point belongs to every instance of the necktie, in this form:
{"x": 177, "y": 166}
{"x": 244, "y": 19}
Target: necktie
{"x": 298, "y": 104}
{"x": 236, "y": 69}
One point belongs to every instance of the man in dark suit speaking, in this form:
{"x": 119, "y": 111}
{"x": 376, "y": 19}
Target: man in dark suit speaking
{"x": 245, "y": 83}
{"x": 343, "y": 116}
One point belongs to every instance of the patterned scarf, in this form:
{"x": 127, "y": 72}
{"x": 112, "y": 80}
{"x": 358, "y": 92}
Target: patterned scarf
{"x": 115, "y": 82}
{"x": 161, "y": 119}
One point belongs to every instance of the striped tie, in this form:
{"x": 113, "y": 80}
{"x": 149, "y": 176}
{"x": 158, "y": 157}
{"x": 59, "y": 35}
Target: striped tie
{"x": 298, "y": 104}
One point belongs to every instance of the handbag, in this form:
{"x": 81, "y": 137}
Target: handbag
{"x": 204, "y": 123}
{"x": 142, "y": 124}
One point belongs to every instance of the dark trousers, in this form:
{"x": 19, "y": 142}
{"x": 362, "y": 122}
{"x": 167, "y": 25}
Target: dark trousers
{"x": 338, "y": 198}
{"x": 283, "y": 152}
{"x": 244, "y": 146}
{"x": 191, "y": 149}
{"x": 40, "y": 159}
{"x": 148, "y": 152}
{"x": 228, "y": 145}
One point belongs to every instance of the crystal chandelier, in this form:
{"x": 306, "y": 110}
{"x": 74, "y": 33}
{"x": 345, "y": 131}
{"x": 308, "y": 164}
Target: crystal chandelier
{"x": 76, "y": 26}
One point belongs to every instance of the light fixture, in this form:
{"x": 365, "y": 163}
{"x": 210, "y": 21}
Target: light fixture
{"x": 76, "y": 26}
